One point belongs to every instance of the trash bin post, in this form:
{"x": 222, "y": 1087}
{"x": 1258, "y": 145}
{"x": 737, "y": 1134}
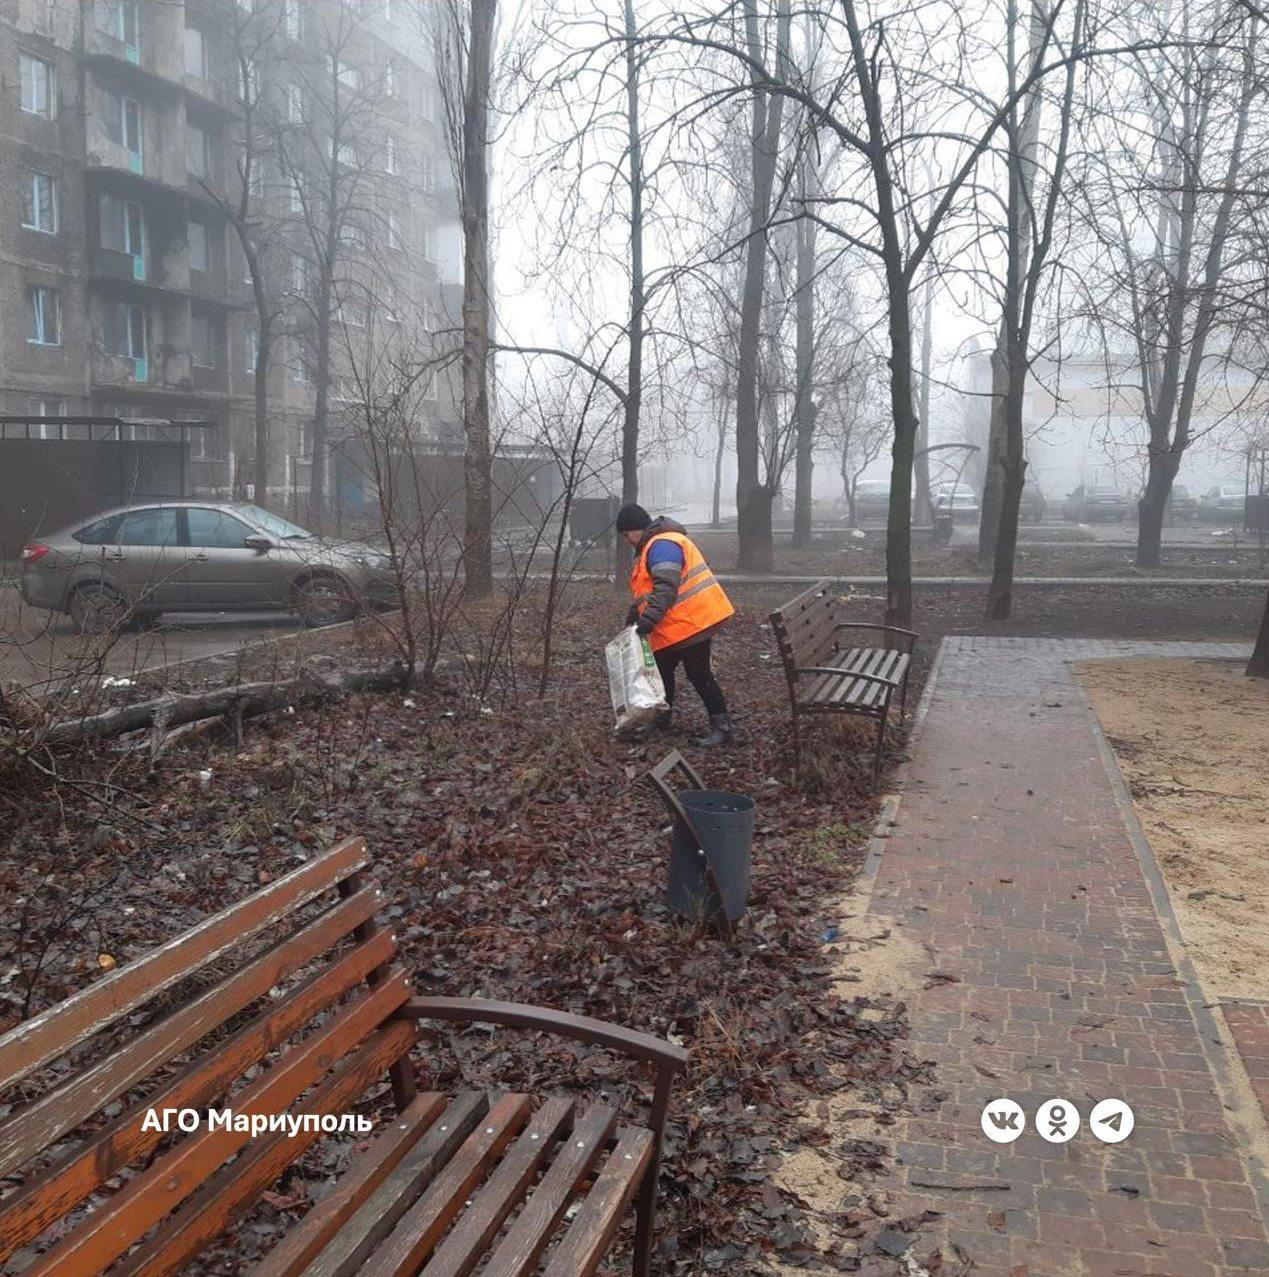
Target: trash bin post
{"x": 708, "y": 823}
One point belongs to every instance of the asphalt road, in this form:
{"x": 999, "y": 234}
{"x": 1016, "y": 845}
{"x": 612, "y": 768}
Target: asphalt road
{"x": 39, "y": 648}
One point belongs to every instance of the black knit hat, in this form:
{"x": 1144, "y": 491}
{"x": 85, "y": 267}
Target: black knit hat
{"x": 632, "y": 518}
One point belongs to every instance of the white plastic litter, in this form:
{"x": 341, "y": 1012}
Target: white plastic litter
{"x": 638, "y": 695}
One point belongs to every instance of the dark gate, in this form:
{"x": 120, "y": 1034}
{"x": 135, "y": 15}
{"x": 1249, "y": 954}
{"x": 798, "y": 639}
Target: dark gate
{"x": 46, "y": 484}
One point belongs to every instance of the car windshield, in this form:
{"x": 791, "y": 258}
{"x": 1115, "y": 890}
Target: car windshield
{"x": 273, "y": 524}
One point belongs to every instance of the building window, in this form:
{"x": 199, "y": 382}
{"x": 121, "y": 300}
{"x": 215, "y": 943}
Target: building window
{"x": 291, "y": 18}
{"x": 252, "y": 348}
{"x": 123, "y": 122}
{"x": 301, "y": 363}
{"x": 295, "y": 185}
{"x": 352, "y": 314}
{"x": 118, "y": 18}
{"x": 353, "y": 235}
{"x": 126, "y": 330}
{"x": 39, "y": 203}
{"x": 43, "y": 316}
{"x": 390, "y": 306}
{"x": 248, "y": 81}
{"x": 206, "y": 340}
{"x": 425, "y": 243}
{"x": 39, "y": 408}
{"x": 427, "y": 173}
{"x": 299, "y": 275}
{"x": 195, "y": 53}
{"x": 199, "y": 249}
{"x": 37, "y": 86}
{"x": 294, "y": 104}
{"x": 394, "y": 232}
{"x": 389, "y": 154}
{"x": 344, "y": 72}
{"x": 205, "y": 445}
{"x": 196, "y": 151}
{"x": 390, "y": 80}
{"x": 122, "y": 226}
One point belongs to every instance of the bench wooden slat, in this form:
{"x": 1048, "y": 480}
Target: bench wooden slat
{"x": 304, "y": 1242}
{"x": 69, "y": 1180}
{"x": 862, "y": 692}
{"x": 35, "y": 1042}
{"x": 205, "y": 1215}
{"x": 591, "y": 1232}
{"x": 423, "y": 1224}
{"x": 44, "y": 1122}
{"x": 469, "y": 1239}
{"x": 113, "y": 1227}
{"x": 517, "y": 1254}
{"x": 352, "y": 1246}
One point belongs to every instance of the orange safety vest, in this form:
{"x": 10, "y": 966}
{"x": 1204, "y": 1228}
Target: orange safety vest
{"x": 700, "y": 603}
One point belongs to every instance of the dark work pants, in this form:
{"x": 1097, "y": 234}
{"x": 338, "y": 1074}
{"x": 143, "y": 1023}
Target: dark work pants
{"x": 700, "y": 673}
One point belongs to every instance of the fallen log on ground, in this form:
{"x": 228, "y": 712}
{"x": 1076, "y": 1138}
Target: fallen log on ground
{"x": 245, "y": 700}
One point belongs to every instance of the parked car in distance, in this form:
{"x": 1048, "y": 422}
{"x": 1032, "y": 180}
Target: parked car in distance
{"x": 959, "y": 498}
{"x": 1181, "y": 507}
{"x": 136, "y": 562}
{"x": 1033, "y": 505}
{"x": 1091, "y": 503}
{"x": 1225, "y": 502}
{"x": 872, "y": 499}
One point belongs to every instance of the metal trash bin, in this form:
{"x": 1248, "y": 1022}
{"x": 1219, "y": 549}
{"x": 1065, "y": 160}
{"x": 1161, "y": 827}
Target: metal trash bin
{"x": 725, "y": 824}
{"x": 709, "y": 846}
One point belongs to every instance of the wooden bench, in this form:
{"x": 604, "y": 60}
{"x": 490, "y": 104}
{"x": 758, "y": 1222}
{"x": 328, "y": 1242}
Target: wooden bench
{"x": 288, "y": 1002}
{"x": 827, "y": 674}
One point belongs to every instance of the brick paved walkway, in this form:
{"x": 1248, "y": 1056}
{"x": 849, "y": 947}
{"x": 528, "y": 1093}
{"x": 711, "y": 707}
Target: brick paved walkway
{"x": 1012, "y": 862}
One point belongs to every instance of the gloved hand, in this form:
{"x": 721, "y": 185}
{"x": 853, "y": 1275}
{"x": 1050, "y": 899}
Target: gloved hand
{"x": 632, "y": 614}
{"x": 643, "y": 627}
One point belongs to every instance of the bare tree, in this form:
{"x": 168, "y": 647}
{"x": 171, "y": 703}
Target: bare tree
{"x": 1028, "y": 241}
{"x": 329, "y": 158}
{"x": 1168, "y": 208}
{"x": 254, "y": 44}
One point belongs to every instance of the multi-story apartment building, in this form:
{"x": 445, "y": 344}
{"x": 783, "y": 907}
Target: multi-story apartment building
{"x": 124, "y": 289}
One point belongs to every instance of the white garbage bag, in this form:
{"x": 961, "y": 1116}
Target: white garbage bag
{"x": 638, "y": 695}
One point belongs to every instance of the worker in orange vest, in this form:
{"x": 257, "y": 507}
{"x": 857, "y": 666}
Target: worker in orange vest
{"x": 678, "y": 606}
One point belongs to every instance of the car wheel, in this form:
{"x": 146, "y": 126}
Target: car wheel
{"x": 323, "y": 600}
{"x": 97, "y": 607}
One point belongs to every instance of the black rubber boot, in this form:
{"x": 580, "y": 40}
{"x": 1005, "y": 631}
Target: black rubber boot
{"x": 720, "y": 733}
{"x": 664, "y": 724}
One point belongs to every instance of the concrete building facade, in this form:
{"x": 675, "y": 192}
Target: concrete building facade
{"x": 124, "y": 289}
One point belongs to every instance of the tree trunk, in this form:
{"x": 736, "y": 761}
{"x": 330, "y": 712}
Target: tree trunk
{"x": 1258, "y": 666}
{"x": 264, "y": 350}
{"x": 993, "y": 461}
{"x": 924, "y": 511}
{"x": 720, "y": 450}
{"x": 317, "y": 497}
{"x": 753, "y": 496}
{"x": 638, "y": 299}
{"x": 804, "y": 407}
{"x": 477, "y": 477}
{"x": 1152, "y": 507}
{"x": 899, "y": 516}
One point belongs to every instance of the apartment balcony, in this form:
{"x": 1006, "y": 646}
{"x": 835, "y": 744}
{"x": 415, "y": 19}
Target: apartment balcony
{"x": 159, "y": 371}
{"x": 147, "y": 55}
{"x": 210, "y": 380}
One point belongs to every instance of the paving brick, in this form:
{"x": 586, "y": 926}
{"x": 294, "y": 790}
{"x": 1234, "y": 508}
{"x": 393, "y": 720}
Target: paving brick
{"x": 1039, "y": 904}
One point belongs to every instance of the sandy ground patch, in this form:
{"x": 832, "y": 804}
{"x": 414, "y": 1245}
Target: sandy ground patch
{"x": 1192, "y": 738}
{"x": 875, "y": 958}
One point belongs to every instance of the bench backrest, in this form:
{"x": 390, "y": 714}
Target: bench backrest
{"x": 289, "y": 978}
{"x": 805, "y": 627}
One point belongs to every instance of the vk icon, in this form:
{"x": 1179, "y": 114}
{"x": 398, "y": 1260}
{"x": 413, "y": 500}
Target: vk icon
{"x": 1003, "y": 1121}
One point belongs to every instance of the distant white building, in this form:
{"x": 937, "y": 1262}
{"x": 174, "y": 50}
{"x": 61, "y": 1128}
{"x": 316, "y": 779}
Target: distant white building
{"x": 1085, "y": 424}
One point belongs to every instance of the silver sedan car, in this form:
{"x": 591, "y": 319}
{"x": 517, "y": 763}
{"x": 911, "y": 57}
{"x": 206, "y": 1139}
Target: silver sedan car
{"x": 133, "y": 563}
